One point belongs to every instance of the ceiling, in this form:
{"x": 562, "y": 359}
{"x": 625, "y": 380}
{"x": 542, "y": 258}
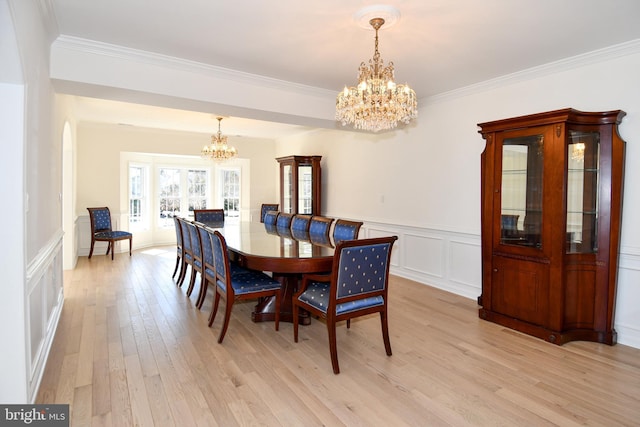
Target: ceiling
{"x": 436, "y": 45}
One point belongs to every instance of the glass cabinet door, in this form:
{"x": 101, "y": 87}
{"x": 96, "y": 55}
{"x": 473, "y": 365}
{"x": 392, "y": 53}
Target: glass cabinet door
{"x": 305, "y": 192}
{"x": 287, "y": 188}
{"x": 583, "y": 156}
{"x": 521, "y": 192}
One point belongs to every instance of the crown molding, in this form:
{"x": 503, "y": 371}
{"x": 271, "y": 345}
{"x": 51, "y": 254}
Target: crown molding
{"x": 631, "y": 47}
{"x": 124, "y": 53}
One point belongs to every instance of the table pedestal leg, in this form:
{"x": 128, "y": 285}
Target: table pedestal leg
{"x": 264, "y": 311}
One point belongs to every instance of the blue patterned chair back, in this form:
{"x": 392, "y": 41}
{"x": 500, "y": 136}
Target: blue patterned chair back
{"x": 101, "y": 219}
{"x": 300, "y": 234}
{"x": 284, "y": 220}
{"x": 300, "y": 222}
{"x": 195, "y": 240}
{"x": 207, "y": 249}
{"x": 271, "y": 217}
{"x": 363, "y": 269}
{"x": 220, "y": 261}
{"x": 209, "y": 216}
{"x": 266, "y": 207}
{"x": 319, "y": 228}
{"x": 186, "y": 236}
{"x": 176, "y": 222}
{"x": 346, "y": 230}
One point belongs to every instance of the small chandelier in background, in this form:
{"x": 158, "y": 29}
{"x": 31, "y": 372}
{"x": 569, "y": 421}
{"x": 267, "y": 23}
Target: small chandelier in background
{"x": 218, "y": 150}
{"x": 377, "y": 102}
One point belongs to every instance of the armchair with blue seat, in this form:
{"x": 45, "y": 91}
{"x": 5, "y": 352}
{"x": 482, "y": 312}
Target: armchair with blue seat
{"x": 101, "y": 230}
{"x": 356, "y": 286}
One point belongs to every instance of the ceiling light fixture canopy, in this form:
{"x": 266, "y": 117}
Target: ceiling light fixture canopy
{"x": 218, "y": 150}
{"x": 377, "y": 102}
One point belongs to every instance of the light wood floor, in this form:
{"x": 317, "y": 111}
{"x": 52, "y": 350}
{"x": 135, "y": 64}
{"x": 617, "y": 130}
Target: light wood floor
{"x": 131, "y": 349}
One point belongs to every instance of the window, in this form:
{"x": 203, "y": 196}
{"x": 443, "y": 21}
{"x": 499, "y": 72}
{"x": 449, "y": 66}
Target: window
{"x": 230, "y": 181}
{"x": 181, "y": 190}
{"x": 197, "y": 185}
{"x": 138, "y": 199}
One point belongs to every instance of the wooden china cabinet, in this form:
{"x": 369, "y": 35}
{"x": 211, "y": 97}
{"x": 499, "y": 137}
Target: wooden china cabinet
{"x": 551, "y": 212}
{"x": 300, "y": 184}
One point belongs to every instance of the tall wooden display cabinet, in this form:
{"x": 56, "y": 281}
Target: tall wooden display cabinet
{"x": 551, "y": 212}
{"x": 300, "y": 184}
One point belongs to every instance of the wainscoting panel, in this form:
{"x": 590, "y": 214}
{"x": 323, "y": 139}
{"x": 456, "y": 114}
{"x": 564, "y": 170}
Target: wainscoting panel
{"x": 45, "y": 297}
{"x": 443, "y": 259}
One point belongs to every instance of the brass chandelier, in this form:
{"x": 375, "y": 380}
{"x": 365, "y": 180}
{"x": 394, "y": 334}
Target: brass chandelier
{"x": 218, "y": 150}
{"x": 377, "y": 102}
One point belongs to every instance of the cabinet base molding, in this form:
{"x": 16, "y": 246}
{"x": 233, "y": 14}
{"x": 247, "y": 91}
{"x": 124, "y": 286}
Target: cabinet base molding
{"x": 554, "y": 337}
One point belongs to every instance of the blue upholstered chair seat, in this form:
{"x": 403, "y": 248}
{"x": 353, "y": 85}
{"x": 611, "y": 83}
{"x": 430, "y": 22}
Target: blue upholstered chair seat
{"x": 317, "y": 295}
{"x": 250, "y": 281}
{"x": 112, "y": 234}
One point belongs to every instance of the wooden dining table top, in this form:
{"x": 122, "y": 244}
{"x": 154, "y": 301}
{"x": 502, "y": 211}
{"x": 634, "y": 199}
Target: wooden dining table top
{"x": 267, "y": 249}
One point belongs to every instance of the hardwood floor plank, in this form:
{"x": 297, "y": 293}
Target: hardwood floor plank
{"x": 132, "y": 349}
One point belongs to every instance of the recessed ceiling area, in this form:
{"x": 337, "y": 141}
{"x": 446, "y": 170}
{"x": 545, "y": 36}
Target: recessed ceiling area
{"x": 437, "y": 46}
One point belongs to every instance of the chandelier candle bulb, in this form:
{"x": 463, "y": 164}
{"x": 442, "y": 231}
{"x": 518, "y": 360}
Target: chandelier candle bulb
{"x": 377, "y": 102}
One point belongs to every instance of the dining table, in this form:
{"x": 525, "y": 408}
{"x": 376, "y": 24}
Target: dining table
{"x": 287, "y": 257}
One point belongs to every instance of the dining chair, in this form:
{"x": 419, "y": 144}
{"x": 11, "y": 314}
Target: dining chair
{"x": 271, "y": 217}
{"x": 266, "y": 207}
{"x": 249, "y": 284}
{"x": 356, "y": 286}
{"x": 319, "y": 227}
{"x": 284, "y": 220}
{"x": 208, "y": 267}
{"x": 196, "y": 253}
{"x": 300, "y": 227}
{"x": 209, "y": 216}
{"x": 187, "y": 259}
{"x": 179, "y": 248}
{"x": 301, "y": 222}
{"x": 345, "y": 230}
{"x": 101, "y": 230}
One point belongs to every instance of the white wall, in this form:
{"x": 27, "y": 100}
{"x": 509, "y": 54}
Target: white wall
{"x": 31, "y": 293}
{"x": 427, "y": 177}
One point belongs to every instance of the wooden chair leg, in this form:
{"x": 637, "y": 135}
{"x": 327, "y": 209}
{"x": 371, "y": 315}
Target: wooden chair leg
{"x": 183, "y": 273}
{"x": 278, "y": 302}
{"x": 296, "y": 311}
{"x": 214, "y": 309}
{"x": 333, "y": 349}
{"x": 91, "y": 249}
{"x": 348, "y": 323}
{"x": 130, "y": 242}
{"x": 112, "y": 245}
{"x": 385, "y": 332}
{"x": 227, "y": 317}
{"x": 192, "y": 281}
{"x": 176, "y": 269}
{"x": 109, "y": 243}
{"x": 204, "y": 285}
